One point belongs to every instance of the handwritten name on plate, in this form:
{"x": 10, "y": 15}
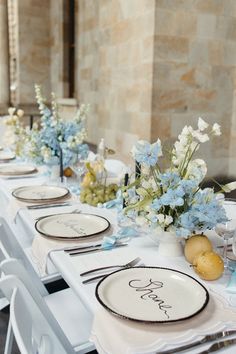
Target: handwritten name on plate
{"x": 148, "y": 291}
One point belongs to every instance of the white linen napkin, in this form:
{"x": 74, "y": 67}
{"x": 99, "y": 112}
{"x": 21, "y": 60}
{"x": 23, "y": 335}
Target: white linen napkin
{"x": 42, "y": 246}
{"x": 128, "y": 337}
{"x": 15, "y": 205}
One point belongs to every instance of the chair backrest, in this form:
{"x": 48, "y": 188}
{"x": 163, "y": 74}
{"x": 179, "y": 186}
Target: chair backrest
{"x": 115, "y": 168}
{"x": 33, "y": 327}
{"x": 12, "y": 249}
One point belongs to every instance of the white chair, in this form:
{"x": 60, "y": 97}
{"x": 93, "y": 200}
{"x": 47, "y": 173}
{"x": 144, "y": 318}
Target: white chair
{"x": 76, "y": 310}
{"x": 10, "y": 248}
{"x": 65, "y": 314}
{"x": 115, "y": 168}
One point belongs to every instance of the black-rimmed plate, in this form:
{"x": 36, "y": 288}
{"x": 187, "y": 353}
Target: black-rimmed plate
{"x": 152, "y": 295}
{"x": 40, "y": 193}
{"x": 6, "y": 156}
{"x": 71, "y": 226}
{"x": 17, "y": 170}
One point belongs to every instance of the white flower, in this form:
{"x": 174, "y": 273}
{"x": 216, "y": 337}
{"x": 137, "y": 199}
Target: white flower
{"x": 20, "y": 113}
{"x": 161, "y": 218}
{"x": 202, "y": 138}
{"x": 229, "y": 187}
{"x": 168, "y": 220}
{"x": 202, "y": 125}
{"x": 216, "y": 129}
{"x": 164, "y": 219}
{"x": 11, "y": 110}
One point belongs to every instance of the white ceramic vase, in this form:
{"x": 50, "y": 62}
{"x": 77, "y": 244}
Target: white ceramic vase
{"x": 169, "y": 244}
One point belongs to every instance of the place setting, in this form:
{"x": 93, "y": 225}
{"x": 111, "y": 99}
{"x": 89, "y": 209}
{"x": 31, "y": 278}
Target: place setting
{"x": 158, "y": 308}
{"x": 76, "y": 230}
{"x": 36, "y": 197}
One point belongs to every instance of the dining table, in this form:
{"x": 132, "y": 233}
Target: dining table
{"x": 112, "y": 332}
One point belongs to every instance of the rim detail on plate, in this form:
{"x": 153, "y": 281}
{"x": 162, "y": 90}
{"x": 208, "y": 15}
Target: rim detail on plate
{"x": 4, "y": 156}
{"x": 152, "y": 295}
{"x": 71, "y": 226}
{"x": 15, "y": 170}
{"x": 40, "y": 193}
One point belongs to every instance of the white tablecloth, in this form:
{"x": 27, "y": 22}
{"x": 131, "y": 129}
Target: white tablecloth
{"x": 125, "y": 336}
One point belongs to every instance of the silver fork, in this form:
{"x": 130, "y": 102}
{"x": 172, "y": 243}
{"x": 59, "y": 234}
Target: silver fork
{"x": 127, "y": 265}
{"x": 104, "y": 275}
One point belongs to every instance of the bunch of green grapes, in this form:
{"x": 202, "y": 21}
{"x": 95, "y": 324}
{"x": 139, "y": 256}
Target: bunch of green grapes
{"x": 98, "y": 193}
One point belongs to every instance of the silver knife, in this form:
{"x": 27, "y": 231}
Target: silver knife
{"x": 208, "y": 338}
{"x": 44, "y": 206}
{"x": 95, "y": 249}
{"x": 219, "y": 345}
{"x": 77, "y": 248}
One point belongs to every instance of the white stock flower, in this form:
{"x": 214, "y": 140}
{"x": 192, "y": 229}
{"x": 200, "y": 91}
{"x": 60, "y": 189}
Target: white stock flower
{"x": 202, "y": 138}
{"x": 202, "y": 125}
{"x": 216, "y": 129}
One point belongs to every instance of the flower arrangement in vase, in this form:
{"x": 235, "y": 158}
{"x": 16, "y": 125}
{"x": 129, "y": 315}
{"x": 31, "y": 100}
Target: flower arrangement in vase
{"x": 172, "y": 199}
{"x": 46, "y": 141}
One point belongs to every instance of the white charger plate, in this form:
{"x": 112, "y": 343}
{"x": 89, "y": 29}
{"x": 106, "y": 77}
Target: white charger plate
{"x": 152, "y": 295}
{"x": 71, "y": 226}
{"x": 6, "y": 156}
{"x": 17, "y": 170}
{"x": 40, "y": 193}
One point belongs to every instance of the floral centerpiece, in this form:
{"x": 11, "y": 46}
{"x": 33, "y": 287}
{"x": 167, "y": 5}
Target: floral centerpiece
{"x": 46, "y": 140}
{"x": 173, "y": 199}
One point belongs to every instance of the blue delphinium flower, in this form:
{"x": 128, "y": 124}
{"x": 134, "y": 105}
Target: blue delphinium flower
{"x": 173, "y": 197}
{"x": 204, "y": 212}
{"x": 147, "y": 153}
{"x": 169, "y": 179}
{"x": 156, "y": 204}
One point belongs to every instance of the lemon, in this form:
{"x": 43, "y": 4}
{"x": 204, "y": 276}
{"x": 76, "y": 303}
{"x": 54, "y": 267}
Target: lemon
{"x": 68, "y": 172}
{"x": 208, "y": 265}
{"x": 196, "y": 244}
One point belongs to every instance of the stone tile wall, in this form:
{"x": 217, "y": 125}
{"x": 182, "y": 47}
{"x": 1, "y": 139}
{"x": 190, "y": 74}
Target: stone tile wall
{"x": 147, "y": 68}
{"x": 194, "y": 73}
{"x": 33, "y": 48}
{"x": 114, "y": 69}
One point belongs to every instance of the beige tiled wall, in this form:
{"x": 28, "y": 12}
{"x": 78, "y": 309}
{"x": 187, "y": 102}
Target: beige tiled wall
{"x": 150, "y": 67}
{"x": 147, "y": 68}
{"x": 194, "y": 73}
{"x": 115, "y": 69}
{"x": 34, "y": 44}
